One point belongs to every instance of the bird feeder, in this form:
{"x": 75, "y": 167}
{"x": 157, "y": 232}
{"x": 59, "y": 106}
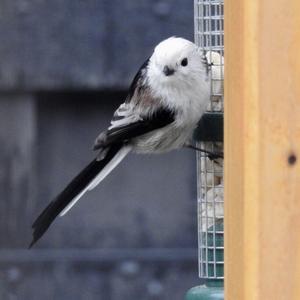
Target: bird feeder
{"x": 209, "y": 36}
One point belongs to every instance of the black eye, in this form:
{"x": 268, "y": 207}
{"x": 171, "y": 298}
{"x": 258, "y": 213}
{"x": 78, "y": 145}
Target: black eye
{"x": 184, "y": 62}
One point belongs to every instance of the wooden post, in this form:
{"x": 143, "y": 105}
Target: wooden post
{"x": 262, "y": 150}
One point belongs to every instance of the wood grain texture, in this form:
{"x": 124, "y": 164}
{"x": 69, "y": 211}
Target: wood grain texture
{"x": 262, "y": 132}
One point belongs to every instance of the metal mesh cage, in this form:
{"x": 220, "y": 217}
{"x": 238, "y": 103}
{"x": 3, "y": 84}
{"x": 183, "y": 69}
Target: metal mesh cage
{"x": 209, "y": 35}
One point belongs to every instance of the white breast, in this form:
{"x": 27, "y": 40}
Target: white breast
{"x": 190, "y": 104}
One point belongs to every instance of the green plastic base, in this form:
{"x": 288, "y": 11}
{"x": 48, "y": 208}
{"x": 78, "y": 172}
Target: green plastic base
{"x": 204, "y": 292}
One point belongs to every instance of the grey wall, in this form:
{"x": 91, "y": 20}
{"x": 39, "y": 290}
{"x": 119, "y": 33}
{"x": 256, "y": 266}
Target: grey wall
{"x": 83, "y": 44}
{"x": 64, "y": 67}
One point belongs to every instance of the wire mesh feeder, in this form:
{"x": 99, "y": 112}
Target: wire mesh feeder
{"x": 209, "y": 35}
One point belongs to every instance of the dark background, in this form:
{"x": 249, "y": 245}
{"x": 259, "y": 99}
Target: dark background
{"x": 64, "y": 67}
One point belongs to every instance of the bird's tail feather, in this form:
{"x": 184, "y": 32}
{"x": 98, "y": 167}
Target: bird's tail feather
{"x": 86, "y": 180}
{"x": 101, "y": 175}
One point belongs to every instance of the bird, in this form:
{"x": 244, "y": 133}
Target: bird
{"x": 167, "y": 97}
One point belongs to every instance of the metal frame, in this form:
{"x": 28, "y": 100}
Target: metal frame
{"x": 209, "y": 35}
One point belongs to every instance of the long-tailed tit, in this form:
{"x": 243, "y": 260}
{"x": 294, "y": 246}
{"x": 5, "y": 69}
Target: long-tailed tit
{"x": 166, "y": 99}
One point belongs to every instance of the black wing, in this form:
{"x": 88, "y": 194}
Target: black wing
{"x": 139, "y": 76}
{"x": 139, "y": 114}
{"x": 134, "y": 128}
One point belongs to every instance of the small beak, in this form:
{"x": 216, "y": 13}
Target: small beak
{"x": 168, "y": 71}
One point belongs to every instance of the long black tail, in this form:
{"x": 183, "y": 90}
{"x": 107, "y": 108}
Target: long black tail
{"x": 77, "y": 185}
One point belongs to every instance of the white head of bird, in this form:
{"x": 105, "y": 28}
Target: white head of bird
{"x": 176, "y": 60}
{"x": 177, "y": 72}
